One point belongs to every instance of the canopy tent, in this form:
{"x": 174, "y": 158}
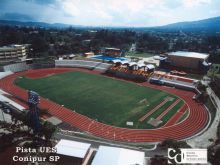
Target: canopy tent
{"x": 141, "y": 65}
{"x": 125, "y": 62}
{"x": 132, "y": 63}
{"x": 150, "y": 66}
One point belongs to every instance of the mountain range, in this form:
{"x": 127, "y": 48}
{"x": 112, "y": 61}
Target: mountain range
{"x": 210, "y": 24}
{"x": 35, "y": 24}
{"x": 207, "y": 25}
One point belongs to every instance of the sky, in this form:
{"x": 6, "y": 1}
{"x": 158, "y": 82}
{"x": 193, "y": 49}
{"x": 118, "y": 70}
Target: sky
{"x": 133, "y": 13}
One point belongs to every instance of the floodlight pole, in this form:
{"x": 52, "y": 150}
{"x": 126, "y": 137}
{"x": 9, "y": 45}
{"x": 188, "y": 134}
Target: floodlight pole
{"x": 33, "y": 101}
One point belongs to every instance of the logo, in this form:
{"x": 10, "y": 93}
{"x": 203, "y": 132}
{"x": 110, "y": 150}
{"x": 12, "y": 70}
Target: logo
{"x": 174, "y": 156}
{"x": 187, "y": 156}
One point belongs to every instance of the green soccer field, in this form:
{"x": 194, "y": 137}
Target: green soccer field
{"x": 105, "y": 99}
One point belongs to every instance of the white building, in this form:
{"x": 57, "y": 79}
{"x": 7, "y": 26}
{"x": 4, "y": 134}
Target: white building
{"x": 190, "y": 60}
{"x": 118, "y": 156}
{"x": 73, "y": 149}
{"x": 13, "y": 53}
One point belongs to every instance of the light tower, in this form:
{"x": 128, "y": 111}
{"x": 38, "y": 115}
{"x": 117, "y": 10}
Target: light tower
{"x": 33, "y": 101}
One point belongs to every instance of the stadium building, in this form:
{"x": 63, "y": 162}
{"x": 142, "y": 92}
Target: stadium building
{"x": 72, "y": 152}
{"x": 13, "y": 53}
{"x": 118, "y": 156}
{"x": 190, "y": 61}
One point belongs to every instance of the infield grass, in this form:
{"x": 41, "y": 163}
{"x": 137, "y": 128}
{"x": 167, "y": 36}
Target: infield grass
{"x": 102, "y": 98}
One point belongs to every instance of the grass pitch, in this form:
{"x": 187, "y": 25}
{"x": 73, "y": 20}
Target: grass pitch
{"x": 105, "y": 99}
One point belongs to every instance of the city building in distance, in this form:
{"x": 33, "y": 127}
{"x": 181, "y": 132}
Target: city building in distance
{"x": 12, "y": 53}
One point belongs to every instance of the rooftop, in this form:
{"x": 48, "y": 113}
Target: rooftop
{"x": 72, "y": 148}
{"x": 117, "y": 156}
{"x": 189, "y": 54}
{"x": 9, "y": 47}
{"x": 112, "y": 49}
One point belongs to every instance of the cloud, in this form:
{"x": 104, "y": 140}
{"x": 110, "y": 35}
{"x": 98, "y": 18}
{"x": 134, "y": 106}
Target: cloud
{"x": 195, "y": 3}
{"x": 42, "y": 2}
{"x": 112, "y": 12}
{"x": 16, "y": 16}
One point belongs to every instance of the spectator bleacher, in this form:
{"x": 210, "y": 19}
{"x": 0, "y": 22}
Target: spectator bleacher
{"x": 18, "y": 67}
{"x": 175, "y": 81}
{"x": 99, "y": 66}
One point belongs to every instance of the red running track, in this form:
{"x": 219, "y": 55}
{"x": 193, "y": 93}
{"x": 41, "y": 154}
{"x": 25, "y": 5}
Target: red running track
{"x": 173, "y": 120}
{"x": 196, "y": 121}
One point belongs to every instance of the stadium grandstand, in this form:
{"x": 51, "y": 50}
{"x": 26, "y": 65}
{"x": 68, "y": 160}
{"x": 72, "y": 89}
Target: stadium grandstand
{"x": 17, "y": 67}
{"x": 99, "y": 66}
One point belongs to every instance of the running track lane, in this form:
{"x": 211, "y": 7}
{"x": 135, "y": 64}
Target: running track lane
{"x": 196, "y": 121}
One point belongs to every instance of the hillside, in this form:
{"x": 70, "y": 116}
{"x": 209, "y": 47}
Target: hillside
{"x": 210, "y": 25}
{"x": 207, "y": 25}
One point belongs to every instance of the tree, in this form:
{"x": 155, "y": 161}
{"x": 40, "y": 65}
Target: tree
{"x": 201, "y": 86}
{"x": 48, "y": 129}
{"x": 170, "y": 143}
{"x": 213, "y": 155}
{"x": 159, "y": 160}
{"x": 39, "y": 44}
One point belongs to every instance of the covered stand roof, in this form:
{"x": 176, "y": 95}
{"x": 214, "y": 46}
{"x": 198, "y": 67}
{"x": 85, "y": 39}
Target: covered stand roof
{"x": 72, "y": 148}
{"x": 118, "y": 156}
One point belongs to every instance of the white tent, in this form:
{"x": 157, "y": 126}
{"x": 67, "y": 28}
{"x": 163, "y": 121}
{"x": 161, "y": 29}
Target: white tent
{"x": 124, "y": 62}
{"x": 72, "y": 148}
{"x": 158, "y": 57}
{"x": 132, "y": 63}
{"x": 118, "y": 156}
{"x": 150, "y": 66}
{"x": 72, "y": 55}
{"x": 140, "y": 65}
